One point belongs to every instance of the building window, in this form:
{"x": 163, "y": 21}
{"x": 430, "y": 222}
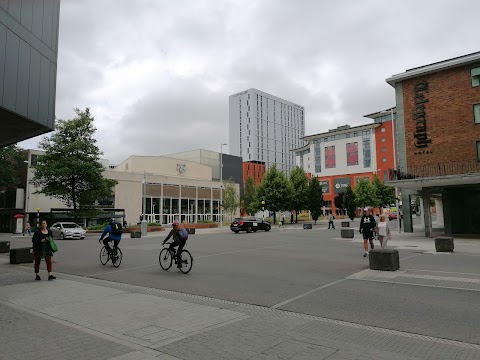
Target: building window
{"x": 318, "y": 159}
{"x": 384, "y": 149}
{"x": 383, "y": 139}
{"x": 382, "y": 130}
{"x": 352, "y": 154}
{"x": 330, "y": 157}
{"x": 384, "y": 159}
{"x": 476, "y": 113}
{"x": 367, "y": 156}
{"x": 475, "y": 74}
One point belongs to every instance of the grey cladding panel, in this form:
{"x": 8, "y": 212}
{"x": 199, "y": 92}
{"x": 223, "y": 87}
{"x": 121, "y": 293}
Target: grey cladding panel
{"x": 51, "y": 98}
{"x": 56, "y": 14}
{"x": 27, "y": 13}
{"x": 47, "y": 22}
{"x": 23, "y": 79}
{"x": 44, "y": 90}
{"x": 15, "y": 9}
{"x": 11, "y": 68}
{"x": 37, "y": 19}
{"x": 34, "y": 85}
{"x": 3, "y": 46}
{"x": 4, "y": 4}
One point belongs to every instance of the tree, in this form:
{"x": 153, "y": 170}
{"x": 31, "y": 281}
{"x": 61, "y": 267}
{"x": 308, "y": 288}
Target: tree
{"x": 338, "y": 201}
{"x": 385, "y": 194}
{"x": 276, "y": 190}
{"x": 248, "y": 203}
{"x": 300, "y": 190}
{"x": 70, "y": 170}
{"x": 349, "y": 202}
{"x": 11, "y": 157}
{"x": 365, "y": 194}
{"x": 230, "y": 197}
{"x": 315, "y": 198}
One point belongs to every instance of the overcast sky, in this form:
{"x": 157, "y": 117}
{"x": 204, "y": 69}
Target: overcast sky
{"x": 157, "y": 74}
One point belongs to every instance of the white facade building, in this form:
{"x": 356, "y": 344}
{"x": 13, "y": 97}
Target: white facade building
{"x": 265, "y": 128}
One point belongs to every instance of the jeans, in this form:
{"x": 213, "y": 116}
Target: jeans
{"x": 181, "y": 245}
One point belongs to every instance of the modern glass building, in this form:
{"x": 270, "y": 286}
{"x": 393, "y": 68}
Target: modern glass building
{"x": 28, "y": 68}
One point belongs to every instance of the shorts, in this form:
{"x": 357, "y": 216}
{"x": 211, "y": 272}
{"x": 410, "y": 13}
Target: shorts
{"x": 367, "y": 234}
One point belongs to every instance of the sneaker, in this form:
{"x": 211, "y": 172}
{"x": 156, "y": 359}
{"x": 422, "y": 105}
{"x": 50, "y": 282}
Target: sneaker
{"x": 365, "y": 255}
{"x": 51, "y": 277}
{"x": 38, "y": 277}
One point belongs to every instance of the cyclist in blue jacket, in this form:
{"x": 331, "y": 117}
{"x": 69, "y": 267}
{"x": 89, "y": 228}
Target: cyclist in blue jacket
{"x": 178, "y": 240}
{"x": 114, "y": 231}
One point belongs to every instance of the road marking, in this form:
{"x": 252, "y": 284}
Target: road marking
{"x": 306, "y": 293}
{"x": 196, "y": 257}
{"x": 421, "y": 285}
{"x": 445, "y": 272}
{"x": 411, "y": 256}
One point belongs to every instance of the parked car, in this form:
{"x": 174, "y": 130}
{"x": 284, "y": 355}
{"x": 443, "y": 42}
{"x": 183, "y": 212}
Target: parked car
{"x": 249, "y": 224}
{"x": 392, "y": 216}
{"x": 67, "y": 230}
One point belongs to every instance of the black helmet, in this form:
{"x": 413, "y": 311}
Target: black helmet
{"x": 111, "y": 220}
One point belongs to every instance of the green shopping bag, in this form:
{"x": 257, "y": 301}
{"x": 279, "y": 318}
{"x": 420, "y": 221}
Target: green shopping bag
{"x": 53, "y": 245}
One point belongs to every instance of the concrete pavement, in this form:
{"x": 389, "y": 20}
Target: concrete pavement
{"x": 83, "y": 318}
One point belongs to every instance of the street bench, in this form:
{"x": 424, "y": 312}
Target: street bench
{"x": 4, "y": 246}
{"x": 135, "y": 234}
{"x": 384, "y": 259}
{"x": 307, "y": 226}
{"x": 347, "y": 233}
{"x": 444, "y": 244}
{"x": 345, "y": 224}
{"x": 21, "y": 255}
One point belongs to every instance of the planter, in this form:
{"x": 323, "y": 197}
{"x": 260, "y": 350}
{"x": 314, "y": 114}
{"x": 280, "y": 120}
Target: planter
{"x": 444, "y": 244}
{"x": 4, "y": 246}
{"x": 200, "y": 225}
{"x": 135, "y": 234}
{"x": 21, "y": 255}
{"x": 384, "y": 259}
{"x": 347, "y": 233}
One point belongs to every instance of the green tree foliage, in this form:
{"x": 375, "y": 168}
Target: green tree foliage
{"x": 338, "y": 200}
{"x": 315, "y": 198}
{"x": 70, "y": 170}
{"x": 349, "y": 202}
{"x": 365, "y": 194}
{"x": 230, "y": 197}
{"x": 276, "y": 190}
{"x": 11, "y": 158}
{"x": 385, "y": 194}
{"x": 300, "y": 190}
{"x": 249, "y": 205}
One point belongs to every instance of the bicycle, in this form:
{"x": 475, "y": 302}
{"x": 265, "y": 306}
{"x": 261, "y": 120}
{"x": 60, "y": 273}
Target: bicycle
{"x": 115, "y": 256}
{"x": 166, "y": 257}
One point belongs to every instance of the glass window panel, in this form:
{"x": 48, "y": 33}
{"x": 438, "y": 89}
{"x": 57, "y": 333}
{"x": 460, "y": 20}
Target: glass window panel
{"x": 476, "y": 111}
{"x": 166, "y": 205}
{"x": 208, "y": 207}
{"x": 148, "y": 204}
{"x": 175, "y": 207}
{"x": 184, "y": 206}
{"x": 475, "y": 73}
{"x": 201, "y": 206}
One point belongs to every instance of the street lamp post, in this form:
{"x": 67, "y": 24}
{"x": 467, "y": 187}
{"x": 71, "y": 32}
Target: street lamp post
{"x": 143, "y": 226}
{"x": 263, "y": 209}
{"x": 399, "y": 218}
{"x": 221, "y": 183}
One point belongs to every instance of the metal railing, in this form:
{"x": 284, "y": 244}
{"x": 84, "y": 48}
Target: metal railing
{"x": 433, "y": 170}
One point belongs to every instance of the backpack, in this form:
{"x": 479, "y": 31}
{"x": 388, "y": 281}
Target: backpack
{"x": 116, "y": 229}
{"x": 183, "y": 234}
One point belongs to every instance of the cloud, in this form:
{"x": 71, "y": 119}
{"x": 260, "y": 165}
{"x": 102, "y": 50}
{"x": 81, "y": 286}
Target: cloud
{"x": 157, "y": 74}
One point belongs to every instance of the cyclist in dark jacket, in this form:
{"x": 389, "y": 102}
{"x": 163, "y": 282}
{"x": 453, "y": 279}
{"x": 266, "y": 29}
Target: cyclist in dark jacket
{"x": 111, "y": 237}
{"x": 176, "y": 242}
{"x": 367, "y": 226}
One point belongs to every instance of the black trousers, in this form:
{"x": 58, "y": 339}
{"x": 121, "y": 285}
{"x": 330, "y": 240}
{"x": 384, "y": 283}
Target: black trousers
{"x": 332, "y": 224}
{"x": 180, "y": 244}
{"x": 107, "y": 245}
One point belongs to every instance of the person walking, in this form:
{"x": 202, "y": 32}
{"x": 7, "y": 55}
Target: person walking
{"x": 291, "y": 218}
{"x": 367, "y": 226}
{"x": 383, "y": 232}
{"x": 28, "y": 229}
{"x": 283, "y": 219}
{"x": 41, "y": 248}
{"x": 330, "y": 221}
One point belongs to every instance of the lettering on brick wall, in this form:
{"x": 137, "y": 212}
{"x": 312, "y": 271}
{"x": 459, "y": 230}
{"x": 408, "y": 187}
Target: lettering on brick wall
{"x": 420, "y": 116}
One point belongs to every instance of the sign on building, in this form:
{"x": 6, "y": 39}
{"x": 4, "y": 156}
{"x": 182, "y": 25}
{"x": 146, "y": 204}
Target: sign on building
{"x": 341, "y": 184}
{"x": 325, "y": 186}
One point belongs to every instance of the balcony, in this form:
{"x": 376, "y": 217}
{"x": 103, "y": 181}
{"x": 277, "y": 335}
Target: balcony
{"x": 465, "y": 172}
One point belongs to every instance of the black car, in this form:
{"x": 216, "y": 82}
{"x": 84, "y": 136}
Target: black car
{"x": 249, "y": 224}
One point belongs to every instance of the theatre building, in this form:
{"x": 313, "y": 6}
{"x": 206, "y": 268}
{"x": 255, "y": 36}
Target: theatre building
{"x": 438, "y": 126}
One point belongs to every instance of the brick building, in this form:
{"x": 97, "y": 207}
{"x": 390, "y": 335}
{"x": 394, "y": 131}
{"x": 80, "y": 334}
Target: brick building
{"x": 255, "y": 170}
{"x": 343, "y": 156}
{"x": 438, "y": 124}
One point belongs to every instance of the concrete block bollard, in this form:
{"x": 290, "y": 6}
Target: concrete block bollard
{"x": 4, "y": 246}
{"x": 347, "y": 233}
{"x": 384, "y": 259}
{"x": 345, "y": 224}
{"x": 444, "y": 244}
{"x": 21, "y": 255}
{"x": 135, "y": 234}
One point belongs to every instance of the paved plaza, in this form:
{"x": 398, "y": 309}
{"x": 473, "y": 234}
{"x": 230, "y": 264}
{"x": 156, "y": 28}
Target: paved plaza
{"x": 286, "y": 294}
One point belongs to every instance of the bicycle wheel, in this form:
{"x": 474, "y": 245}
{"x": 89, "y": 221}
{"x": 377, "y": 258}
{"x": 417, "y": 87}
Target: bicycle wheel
{"x": 117, "y": 257}
{"x": 186, "y": 261}
{"x": 104, "y": 256}
{"x": 165, "y": 259}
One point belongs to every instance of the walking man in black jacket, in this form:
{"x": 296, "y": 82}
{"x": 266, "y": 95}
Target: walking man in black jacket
{"x": 367, "y": 225}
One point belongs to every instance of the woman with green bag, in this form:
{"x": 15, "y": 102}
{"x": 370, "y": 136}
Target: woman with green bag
{"x": 43, "y": 249}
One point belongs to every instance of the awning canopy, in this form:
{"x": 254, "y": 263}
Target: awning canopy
{"x": 437, "y": 181}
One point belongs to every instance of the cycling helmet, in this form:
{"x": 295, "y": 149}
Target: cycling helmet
{"x": 111, "y": 220}
{"x": 175, "y": 223}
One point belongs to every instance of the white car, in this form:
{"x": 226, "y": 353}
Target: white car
{"x": 67, "y": 230}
